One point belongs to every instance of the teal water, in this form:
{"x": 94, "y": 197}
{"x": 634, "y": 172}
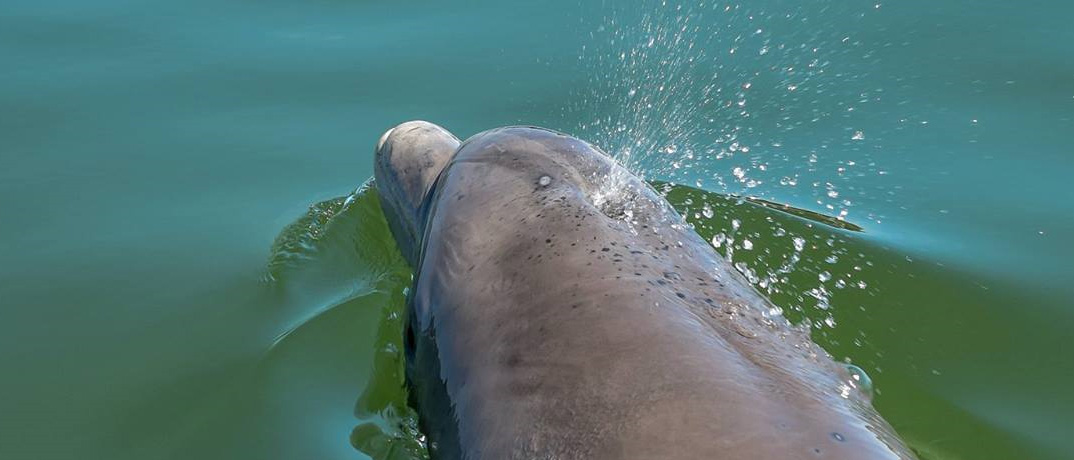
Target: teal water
{"x": 157, "y": 302}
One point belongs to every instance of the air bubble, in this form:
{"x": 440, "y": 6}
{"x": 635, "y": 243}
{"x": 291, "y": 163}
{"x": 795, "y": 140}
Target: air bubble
{"x": 859, "y": 379}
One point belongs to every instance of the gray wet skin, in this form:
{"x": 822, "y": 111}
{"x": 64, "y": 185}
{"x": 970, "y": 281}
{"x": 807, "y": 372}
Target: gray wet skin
{"x": 546, "y": 323}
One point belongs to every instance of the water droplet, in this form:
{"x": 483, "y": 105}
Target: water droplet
{"x": 718, "y": 239}
{"x": 544, "y": 181}
{"x": 747, "y": 244}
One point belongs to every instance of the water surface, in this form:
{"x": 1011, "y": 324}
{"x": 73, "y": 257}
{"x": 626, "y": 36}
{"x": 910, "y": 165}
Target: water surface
{"x": 154, "y": 154}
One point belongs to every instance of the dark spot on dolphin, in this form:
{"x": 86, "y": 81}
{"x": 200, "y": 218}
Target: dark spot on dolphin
{"x": 838, "y": 437}
{"x": 681, "y": 295}
{"x": 605, "y": 249}
{"x": 512, "y": 360}
{"x": 548, "y": 241}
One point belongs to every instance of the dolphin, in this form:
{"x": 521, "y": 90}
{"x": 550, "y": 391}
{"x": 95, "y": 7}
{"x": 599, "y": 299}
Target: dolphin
{"x": 561, "y": 309}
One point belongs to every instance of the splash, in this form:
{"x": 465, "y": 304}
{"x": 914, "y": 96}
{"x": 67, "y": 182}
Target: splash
{"x": 799, "y": 259}
{"x": 759, "y": 103}
{"x": 759, "y": 99}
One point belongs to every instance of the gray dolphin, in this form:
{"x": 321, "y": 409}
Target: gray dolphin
{"x": 561, "y": 309}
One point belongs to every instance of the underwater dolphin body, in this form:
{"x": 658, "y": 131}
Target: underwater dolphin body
{"x": 561, "y": 309}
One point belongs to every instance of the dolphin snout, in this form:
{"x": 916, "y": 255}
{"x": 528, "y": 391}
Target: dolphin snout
{"x": 409, "y": 157}
{"x": 384, "y": 138}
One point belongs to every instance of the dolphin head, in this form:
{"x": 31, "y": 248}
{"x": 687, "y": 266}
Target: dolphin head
{"x": 409, "y": 158}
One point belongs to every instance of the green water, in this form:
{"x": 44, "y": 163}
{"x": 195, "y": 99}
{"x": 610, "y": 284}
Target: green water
{"x": 157, "y": 302}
